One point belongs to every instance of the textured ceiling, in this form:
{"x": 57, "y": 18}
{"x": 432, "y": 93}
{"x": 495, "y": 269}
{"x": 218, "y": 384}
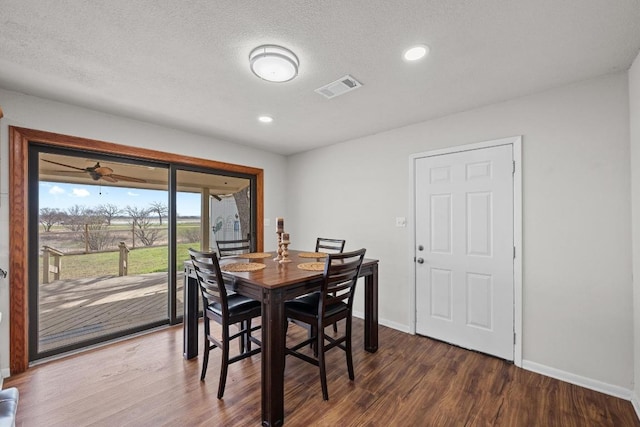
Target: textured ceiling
{"x": 185, "y": 64}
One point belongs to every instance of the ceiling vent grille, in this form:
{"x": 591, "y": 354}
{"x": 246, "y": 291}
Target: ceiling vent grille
{"x": 339, "y": 87}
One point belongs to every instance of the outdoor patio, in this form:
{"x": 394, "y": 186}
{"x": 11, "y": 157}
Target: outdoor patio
{"x": 81, "y": 309}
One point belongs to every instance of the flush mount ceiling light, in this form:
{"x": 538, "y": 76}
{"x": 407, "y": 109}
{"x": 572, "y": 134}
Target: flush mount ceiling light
{"x": 265, "y": 119}
{"x": 416, "y": 52}
{"x": 274, "y": 63}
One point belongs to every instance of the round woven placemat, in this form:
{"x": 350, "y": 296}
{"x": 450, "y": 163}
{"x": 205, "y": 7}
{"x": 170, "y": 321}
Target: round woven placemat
{"x": 312, "y": 255}
{"x": 311, "y": 266}
{"x": 243, "y": 266}
{"x": 255, "y": 255}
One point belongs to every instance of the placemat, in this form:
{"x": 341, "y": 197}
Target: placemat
{"x": 312, "y": 266}
{"x": 312, "y": 255}
{"x": 242, "y": 266}
{"x": 255, "y": 255}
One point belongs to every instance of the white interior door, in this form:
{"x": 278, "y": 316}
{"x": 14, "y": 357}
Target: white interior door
{"x": 465, "y": 249}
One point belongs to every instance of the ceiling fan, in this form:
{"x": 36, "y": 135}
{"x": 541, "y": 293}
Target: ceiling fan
{"x": 98, "y": 172}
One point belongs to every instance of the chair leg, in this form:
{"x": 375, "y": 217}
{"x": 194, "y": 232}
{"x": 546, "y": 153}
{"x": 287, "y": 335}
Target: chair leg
{"x": 321, "y": 363}
{"x": 225, "y": 361}
{"x": 205, "y": 360}
{"x": 348, "y": 349}
{"x": 315, "y": 332}
{"x": 335, "y": 325}
{"x": 241, "y": 342}
{"x": 247, "y": 336}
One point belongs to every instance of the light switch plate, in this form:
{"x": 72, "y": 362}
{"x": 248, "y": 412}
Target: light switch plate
{"x": 401, "y": 221}
{"x": 267, "y": 222}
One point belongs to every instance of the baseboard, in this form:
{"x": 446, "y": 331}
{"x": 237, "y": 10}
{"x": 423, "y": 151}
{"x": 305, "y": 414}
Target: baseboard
{"x": 589, "y": 383}
{"x": 393, "y": 325}
{"x": 635, "y": 401}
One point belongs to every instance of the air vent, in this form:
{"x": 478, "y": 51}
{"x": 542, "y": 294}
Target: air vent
{"x": 341, "y": 86}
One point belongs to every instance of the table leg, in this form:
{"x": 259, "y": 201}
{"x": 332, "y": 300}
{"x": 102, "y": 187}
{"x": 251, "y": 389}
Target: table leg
{"x": 190, "y": 321}
{"x": 371, "y": 311}
{"x": 273, "y": 341}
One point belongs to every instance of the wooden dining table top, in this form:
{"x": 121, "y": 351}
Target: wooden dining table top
{"x": 276, "y": 274}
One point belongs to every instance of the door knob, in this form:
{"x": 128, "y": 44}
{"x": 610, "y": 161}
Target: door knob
{"x": 420, "y": 261}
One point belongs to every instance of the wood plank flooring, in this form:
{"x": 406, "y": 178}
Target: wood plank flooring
{"x": 410, "y": 381}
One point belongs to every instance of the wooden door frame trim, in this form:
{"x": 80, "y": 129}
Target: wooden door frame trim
{"x": 19, "y": 140}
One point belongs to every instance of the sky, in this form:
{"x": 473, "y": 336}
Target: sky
{"x": 63, "y": 196}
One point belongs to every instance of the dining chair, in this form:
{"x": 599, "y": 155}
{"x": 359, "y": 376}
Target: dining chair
{"x": 234, "y": 247}
{"x": 330, "y": 245}
{"x": 334, "y": 302}
{"x": 225, "y": 309}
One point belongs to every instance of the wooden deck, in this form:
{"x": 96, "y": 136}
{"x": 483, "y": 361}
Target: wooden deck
{"x": 77, "y": 310}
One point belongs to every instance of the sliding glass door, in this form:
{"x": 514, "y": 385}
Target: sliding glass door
{"x": 110, "y": 235}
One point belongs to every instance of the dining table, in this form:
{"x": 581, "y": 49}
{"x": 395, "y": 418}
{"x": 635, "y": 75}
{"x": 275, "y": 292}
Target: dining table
{"x": 272, "y": 285}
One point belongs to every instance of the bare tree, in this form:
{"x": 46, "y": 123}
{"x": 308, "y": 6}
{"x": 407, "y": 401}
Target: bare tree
{"x": 160, "y": 209}
{"x": 98, "y": 236}
{"x": 76, "y": 217}
{"x": 49, "y": 217}
{"x": 142, "y": 227}
{"x": 89, "y": 227}
{"x": 109, "y": 211}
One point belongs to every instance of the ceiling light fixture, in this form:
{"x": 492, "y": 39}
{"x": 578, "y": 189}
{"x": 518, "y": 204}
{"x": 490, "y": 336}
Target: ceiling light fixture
{"x": 265, "y": 119}
{"x": 416, "y": 52}
{"x": 274, "y": 63}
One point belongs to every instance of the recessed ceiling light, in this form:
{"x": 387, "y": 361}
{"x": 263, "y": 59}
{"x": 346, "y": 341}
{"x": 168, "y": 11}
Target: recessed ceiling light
{"x": 274, "y": 63}
{"x": 265, "y": 119}
{"x": 415, "y": 52}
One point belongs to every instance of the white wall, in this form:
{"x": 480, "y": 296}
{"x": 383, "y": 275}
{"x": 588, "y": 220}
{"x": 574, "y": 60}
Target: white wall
{"x": 36, "y": 113}
{"x": 634, "y": 115}
{"x": 577, "y": 289}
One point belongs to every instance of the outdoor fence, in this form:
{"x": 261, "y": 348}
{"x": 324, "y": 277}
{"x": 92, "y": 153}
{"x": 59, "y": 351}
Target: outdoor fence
{"x": 51, "y": 254}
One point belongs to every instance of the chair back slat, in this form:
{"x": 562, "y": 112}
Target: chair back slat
{"x": 234, "y": 247}
{"x": 340, "y": 277}
{"x": 210, "y": 278}
{"x": 330, "y": 245}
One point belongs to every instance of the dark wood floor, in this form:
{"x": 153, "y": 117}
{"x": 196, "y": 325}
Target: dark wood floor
{"x": 410, "y": 381}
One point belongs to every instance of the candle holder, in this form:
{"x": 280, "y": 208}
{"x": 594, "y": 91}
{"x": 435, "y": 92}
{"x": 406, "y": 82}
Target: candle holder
{"x": 284, "y": 246}
{"x": 279, "y": 251}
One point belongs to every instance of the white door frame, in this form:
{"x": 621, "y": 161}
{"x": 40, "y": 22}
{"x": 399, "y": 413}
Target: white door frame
{"x": 516, "y": 143}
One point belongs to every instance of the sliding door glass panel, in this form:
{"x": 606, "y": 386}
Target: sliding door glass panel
{"x": 209, "y": 206}
{"x": 102, "y": 247}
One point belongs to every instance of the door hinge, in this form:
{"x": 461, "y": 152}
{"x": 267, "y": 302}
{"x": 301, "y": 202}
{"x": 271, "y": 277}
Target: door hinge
{"x": 514, "y": 167}
{"x": 514, "y": 252}
{"x": 514, "y": 338}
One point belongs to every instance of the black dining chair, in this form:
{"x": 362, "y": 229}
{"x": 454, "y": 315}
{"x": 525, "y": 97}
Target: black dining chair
{"x": 225, "y": 309}
{"x": 234, "y": 247}
{"x": 332, "y": 303}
